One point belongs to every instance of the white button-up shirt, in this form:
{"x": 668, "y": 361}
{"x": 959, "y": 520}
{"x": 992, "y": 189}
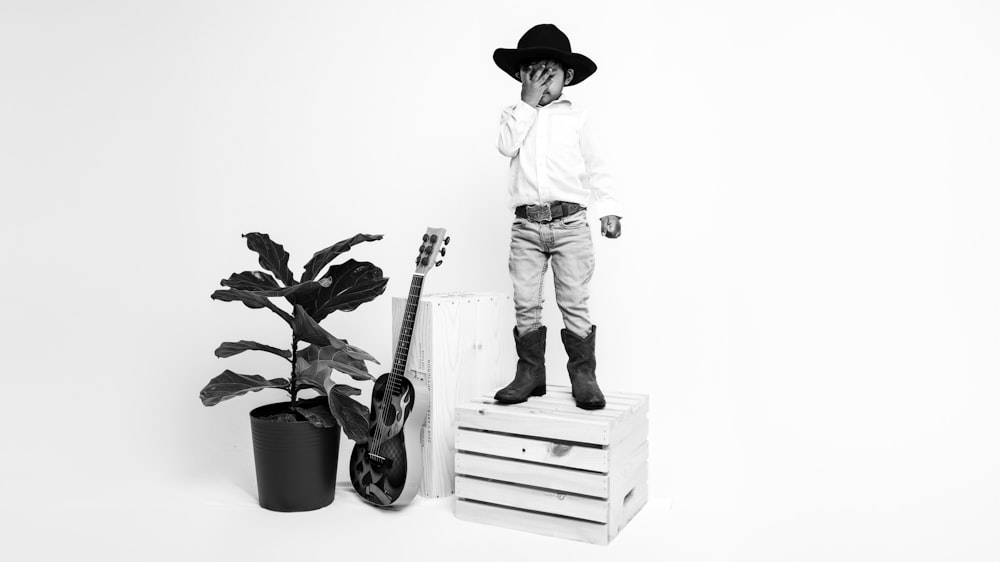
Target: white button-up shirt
{"x": 555, "y": 156}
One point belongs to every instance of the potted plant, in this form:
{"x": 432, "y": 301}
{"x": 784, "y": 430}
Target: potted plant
{"x": 296, "y": 442}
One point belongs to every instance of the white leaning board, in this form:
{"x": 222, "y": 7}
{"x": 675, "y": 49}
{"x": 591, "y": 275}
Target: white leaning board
{"x": 462, "y": 347}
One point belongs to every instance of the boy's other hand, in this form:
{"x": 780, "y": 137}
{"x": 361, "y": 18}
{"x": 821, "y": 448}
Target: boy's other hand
{"x": 611, "y": 226}
{"x": 534, "y": 81}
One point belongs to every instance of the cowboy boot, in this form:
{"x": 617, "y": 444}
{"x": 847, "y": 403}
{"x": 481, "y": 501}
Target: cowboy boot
{"x": 529, "y": 380}
{"x": 582, "y": 366}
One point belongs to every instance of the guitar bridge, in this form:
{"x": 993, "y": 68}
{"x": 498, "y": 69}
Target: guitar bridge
{"x": 379, "y": 461}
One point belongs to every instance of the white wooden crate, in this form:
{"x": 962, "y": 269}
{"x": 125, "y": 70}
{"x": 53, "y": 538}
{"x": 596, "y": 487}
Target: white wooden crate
{"x": 551, "y": 468}
{"x": 462, "y": 347}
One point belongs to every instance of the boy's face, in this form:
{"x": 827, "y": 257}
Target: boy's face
{"x": 559, "y": 78}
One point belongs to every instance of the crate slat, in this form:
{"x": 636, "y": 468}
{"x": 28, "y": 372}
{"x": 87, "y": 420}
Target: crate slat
{"x": 529, "y": 474}
{"x": 533, "y": 499}
{"x": 551, "y": 525}
{"x": 621, "y": 400}
{"x": 563, "y": 427}
{"x": 533, "y": 450}
{"x": 555, "y": 405}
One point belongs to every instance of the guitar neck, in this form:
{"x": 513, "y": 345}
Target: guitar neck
{"x": 406, "y": 330}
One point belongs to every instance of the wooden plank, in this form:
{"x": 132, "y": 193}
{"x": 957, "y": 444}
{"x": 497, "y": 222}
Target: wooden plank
{"x": 622, "y": 399}
{"x": 533, "y": 499}
{"x": 495, "y": 355}
{"x": 633, "y": 502}
{"x": 533, "y": 450}
{"x": 628, "y": 436}
{"x": 553, "y": 406}
{"x": 529, "y": 474}
{"x": 634, "y": 398}
{"x": 563, "y": 392}
{"x": 563, "y": 427}
{"x": 620, "y": 424}
{"x": 540, "y": 404}
{"x": 558, "y": 401}
{"x": 550, "y": 525}
{"x": 628, "y": 473}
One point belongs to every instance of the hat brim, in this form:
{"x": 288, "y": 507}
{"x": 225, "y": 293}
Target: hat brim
{"x": 510, "y": 61}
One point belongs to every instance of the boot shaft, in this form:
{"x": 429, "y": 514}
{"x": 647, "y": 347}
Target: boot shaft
{"x": 529, "y": 380}
{"x": 531, "y": 349}
{"x": 580, "y": 352}
{"x": 582, "y": 367}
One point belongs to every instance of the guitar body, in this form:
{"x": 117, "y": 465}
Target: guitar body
{"x": 388, "y": 469}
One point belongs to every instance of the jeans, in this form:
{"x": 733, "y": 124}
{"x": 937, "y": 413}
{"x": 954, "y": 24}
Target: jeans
{"x": 567, "y": 243}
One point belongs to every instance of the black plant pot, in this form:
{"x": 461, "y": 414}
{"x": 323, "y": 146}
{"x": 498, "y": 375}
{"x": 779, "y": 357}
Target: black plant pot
{"x": 296, "y": 463}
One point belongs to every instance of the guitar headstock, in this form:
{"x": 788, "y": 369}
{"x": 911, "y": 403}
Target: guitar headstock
{"x": 431, "y": 247}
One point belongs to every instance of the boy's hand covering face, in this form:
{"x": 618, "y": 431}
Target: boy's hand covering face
{"x": 535, "y": 79}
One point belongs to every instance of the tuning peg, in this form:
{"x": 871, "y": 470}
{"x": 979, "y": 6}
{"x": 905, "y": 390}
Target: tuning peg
{"x": 422, "y": 248}
{"x": 428, "y": 249}
{"x": 423, "y": 261}
{"x": 438, "y": 263}
{"x": 425, "y": 237}
{"x": 446, "y": 240}
{"x": 418, "y": 260}
{"x": 443, "y": 251}
{"x": 434, "y": 238}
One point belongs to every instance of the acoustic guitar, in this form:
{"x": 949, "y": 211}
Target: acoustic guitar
{"x": 387, "y": 470}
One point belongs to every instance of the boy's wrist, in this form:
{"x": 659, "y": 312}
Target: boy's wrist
{"x": 525, "y": 109}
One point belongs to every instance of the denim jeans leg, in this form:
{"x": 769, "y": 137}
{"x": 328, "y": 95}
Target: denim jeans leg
{"x": 573, "y": 267}
{"x": 528, "y": 263}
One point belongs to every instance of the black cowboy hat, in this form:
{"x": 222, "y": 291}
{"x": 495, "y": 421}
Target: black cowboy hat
{"x": 544, "y": 41}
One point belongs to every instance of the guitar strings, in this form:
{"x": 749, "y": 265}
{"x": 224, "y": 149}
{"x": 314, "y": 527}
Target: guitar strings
{"x": 399, "y": 362}
{"x": 392, "y": 386}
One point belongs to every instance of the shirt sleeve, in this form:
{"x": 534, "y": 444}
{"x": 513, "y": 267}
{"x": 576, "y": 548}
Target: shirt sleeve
{"x": 515, "y": 123}
{"x": 604, "y": 195}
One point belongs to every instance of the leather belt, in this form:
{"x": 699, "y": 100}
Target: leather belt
{"x": 547, "y": 213}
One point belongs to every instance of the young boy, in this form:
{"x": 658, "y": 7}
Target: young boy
{"x": 556, "y": 170}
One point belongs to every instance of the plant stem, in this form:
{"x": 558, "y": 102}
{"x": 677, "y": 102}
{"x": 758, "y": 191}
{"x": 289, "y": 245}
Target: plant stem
{"x": 294, "y": 389}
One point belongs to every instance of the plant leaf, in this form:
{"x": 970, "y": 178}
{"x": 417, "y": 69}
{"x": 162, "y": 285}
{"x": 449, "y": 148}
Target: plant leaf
{"x": 315, "y": 373}
{"x": 251, "y": 281}
{"x": 273, "y": 256}
{"x": 354, "y": 369}
{"x": 352, "y": 284}
{"x": 346, "y": 389}
{"x": 327, "y": 255}
{"x": 318, "y": 415}
{"x": 230, "y": 348}
{"x": 230, "y": 384}
{"x": 307, "y": 329}
{"x": 316, "y": 363}
{"x": 312, "y": 374}
{"x": 252, "y": 300}
{"x": 293, "y": 289}
{"x": 350, "y": 414}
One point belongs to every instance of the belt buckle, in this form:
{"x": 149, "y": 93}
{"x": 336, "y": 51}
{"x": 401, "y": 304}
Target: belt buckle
{"x": 539, "y": 213}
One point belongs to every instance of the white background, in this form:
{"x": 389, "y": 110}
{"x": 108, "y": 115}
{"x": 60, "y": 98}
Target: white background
{"x": 806, "y": 287}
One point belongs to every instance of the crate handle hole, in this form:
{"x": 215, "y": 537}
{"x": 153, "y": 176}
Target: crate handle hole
{"x": 628, "y": 496}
